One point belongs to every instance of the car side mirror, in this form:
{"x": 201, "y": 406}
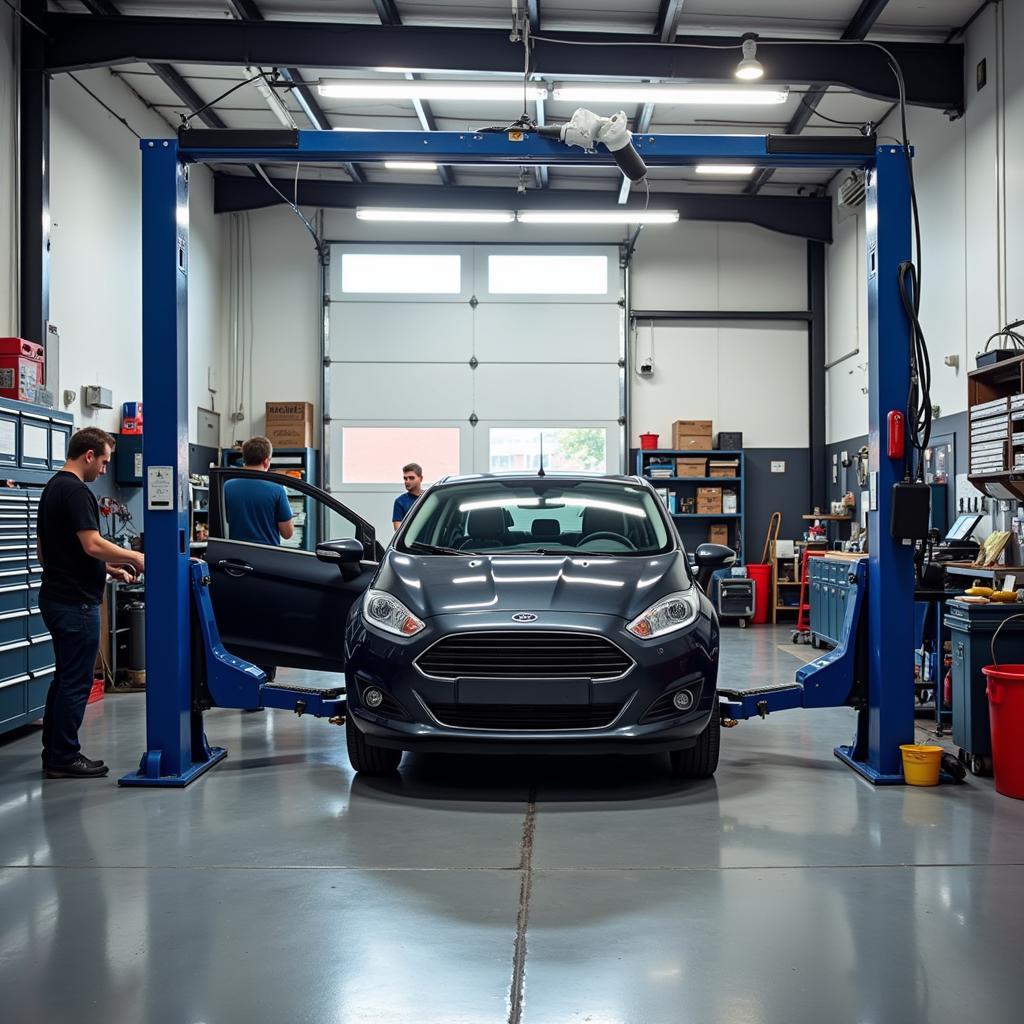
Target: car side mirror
{"x": 708, "y": 558}
{"x": 345, "y": 554}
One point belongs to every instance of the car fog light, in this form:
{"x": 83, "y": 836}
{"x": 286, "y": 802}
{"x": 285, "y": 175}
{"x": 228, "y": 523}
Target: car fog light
{"x": 373, "y": 698}
{"x": 683, "y": 700}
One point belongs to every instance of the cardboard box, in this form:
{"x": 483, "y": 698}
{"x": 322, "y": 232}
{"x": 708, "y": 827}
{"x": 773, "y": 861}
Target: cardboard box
{"x": 690, "y": 435}
{"x": 723, "y": 467}
{"x": 709, "y": 500}
{"x": 691, "y": 467}
{"x": 718, "y": 534}
{"x": 290, "y": 424}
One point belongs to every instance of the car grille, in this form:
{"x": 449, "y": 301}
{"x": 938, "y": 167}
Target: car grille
{"x": 526, "y": 654}
{"x": 526, "y": 717}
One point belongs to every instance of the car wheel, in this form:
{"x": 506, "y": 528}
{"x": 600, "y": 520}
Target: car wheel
{"x": 364, "y": 757}
{"x": 700, "y": 760}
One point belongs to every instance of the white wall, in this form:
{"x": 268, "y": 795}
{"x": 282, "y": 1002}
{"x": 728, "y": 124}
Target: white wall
{"x": 8, "y": 179}
{"x": 750, "y": 377}
{"x": 689, "y": 266}
{"x": 970, "y": 183}
{"x": 96, "y": 245}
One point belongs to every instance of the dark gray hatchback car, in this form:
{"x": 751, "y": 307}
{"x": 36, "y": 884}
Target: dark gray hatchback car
{"x": 554, "y": 614}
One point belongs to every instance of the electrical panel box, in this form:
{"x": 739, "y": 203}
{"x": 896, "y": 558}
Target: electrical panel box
{"x": 99, "y": 398}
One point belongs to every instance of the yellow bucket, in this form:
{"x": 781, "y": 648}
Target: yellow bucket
{"x": 921, "y": 763}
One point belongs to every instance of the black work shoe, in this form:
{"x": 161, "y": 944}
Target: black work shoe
{"x": 88, "y": 760}
{"x": 80, "y": 768}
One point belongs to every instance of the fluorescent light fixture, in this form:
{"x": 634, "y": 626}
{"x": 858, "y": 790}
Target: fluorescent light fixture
{"x": 729, "y": 170}
{"x": 655, "y": 92}
{"x": 410, "y": 165}
{"x": 435, "y": 216}
{"x": 281, "y": 112}
{"x": 598, "y": 216}
{"x": 394, "y": 89}
{"x": 749, "y": 68}
{"x": 352, "y": 128}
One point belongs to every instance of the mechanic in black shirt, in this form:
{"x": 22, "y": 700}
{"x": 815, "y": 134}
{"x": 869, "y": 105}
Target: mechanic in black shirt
{"x": 76, "y": 561}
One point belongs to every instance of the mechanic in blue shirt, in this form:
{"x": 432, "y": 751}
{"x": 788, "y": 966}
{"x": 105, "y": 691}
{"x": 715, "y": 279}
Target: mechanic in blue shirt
{"x": 257, "y": 510}
{"x": 412, "y": 477}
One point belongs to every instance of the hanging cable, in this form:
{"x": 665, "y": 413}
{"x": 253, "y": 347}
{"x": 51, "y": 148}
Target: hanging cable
{"x": 271, "y": 76}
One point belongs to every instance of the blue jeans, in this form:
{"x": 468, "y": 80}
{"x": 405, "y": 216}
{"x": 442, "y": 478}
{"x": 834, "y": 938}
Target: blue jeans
{"x": 75, "y": 629}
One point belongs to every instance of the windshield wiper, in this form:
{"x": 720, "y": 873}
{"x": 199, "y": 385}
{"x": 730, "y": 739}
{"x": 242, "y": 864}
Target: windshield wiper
{"x": 436, "y": 549}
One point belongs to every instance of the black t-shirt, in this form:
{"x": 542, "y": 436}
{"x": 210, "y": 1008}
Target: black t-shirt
{"x": 70, "y": 576}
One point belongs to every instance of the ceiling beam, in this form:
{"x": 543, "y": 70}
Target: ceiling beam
{"x": 860, "y": 25}
{"x": 190, "y": 99}
{"x": 668, "y": 19}
{"x": 387, "y": 11}
{"x": 791, "y": 215}
{"x": 933, "y": 71}
{"x": 540, "y": 172}
{"x": 533, "y": 14}
{"x": 389, "y": 16}
{"x": 247, "y": 10}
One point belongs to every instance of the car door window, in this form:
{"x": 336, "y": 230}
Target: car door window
{"x": 243, "y": 513}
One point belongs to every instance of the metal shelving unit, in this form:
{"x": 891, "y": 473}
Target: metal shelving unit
{"x": 687, "y": 523}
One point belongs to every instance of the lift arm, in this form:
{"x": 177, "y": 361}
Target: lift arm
{"x": 827, "y": 682}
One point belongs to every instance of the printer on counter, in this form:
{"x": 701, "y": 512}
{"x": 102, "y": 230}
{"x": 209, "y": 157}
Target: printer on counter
{"x": 957, "y": 545}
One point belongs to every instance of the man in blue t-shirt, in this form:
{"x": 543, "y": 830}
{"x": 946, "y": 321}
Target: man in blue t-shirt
{"x": 412, "y": 477}
{"x": 257, "y": 510}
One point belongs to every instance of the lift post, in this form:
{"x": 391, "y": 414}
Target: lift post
{"x": 177, "y": 751}
{"x": 176, "y": 747}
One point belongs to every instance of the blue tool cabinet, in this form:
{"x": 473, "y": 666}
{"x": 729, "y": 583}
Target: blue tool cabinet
{"x": 33, "y": 443}
{"x": 829, "y": 584}
{"x": 972, "y": 627}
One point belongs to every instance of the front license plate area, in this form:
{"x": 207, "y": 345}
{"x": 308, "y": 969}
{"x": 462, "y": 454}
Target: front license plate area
{"x": 522, "y": 691}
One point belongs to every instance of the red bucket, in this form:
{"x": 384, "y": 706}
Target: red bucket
{"x": 1006, "y": 717}
{"x": 648, "y": 441}
{"x": 762, "y": 577}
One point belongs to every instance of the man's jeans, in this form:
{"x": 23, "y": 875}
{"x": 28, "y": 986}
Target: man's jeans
{"x": 75, "y": 629}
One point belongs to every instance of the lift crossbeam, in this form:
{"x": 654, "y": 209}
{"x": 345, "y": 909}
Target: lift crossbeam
{"x": 287, "y": 146}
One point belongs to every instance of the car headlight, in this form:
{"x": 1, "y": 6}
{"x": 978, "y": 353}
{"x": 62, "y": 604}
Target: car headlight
{"x": 385, "y": 612}
{"x": 667, "y": 615}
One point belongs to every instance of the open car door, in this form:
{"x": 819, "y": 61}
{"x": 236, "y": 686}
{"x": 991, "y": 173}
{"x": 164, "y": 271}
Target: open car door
{"x": 280, "y": 605}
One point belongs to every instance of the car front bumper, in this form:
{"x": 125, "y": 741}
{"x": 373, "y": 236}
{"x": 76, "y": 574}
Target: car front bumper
{"x": 411, "y": 719}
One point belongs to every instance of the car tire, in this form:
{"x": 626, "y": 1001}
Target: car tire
{"x": 700, "y": 760}
{"x": 366, "y": 758}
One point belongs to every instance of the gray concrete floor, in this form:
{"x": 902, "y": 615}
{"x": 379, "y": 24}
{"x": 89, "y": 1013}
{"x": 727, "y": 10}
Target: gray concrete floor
{"x": 487, "y": 890}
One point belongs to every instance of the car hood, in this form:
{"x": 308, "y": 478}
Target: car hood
{"x": 431, "y": 585}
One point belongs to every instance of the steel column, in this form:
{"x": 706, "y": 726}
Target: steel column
{"x": 176, "y": 749}
{"x": 888, "y": 719}
{"x": 816, "y": 381}
{"x": 34, "y": 118}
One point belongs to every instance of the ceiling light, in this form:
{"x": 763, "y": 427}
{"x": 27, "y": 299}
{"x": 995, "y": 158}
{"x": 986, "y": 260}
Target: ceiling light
{"x": 436, "y": 216}
{"x": 598, "y": 216}
{"x": 387, "y": 89}
{"x": 749, "y": 68}
{"x": 259, "y": 79}
{"x": 657, "y": 92}
{"x": 410, "y": 165}
{"x": 352, "y": 128}
{"x": 735, "y": 170}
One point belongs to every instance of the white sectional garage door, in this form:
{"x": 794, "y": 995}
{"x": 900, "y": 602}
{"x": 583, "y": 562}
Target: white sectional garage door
{"x": 470, "y": 359}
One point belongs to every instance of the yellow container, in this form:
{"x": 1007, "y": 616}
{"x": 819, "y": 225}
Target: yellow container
{"x": 921, "y": 763}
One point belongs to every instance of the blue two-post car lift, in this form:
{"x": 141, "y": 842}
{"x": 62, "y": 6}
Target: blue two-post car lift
{"x": 875, "y": 672}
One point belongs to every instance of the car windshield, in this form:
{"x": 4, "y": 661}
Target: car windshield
{"x": 503, "y": 516}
